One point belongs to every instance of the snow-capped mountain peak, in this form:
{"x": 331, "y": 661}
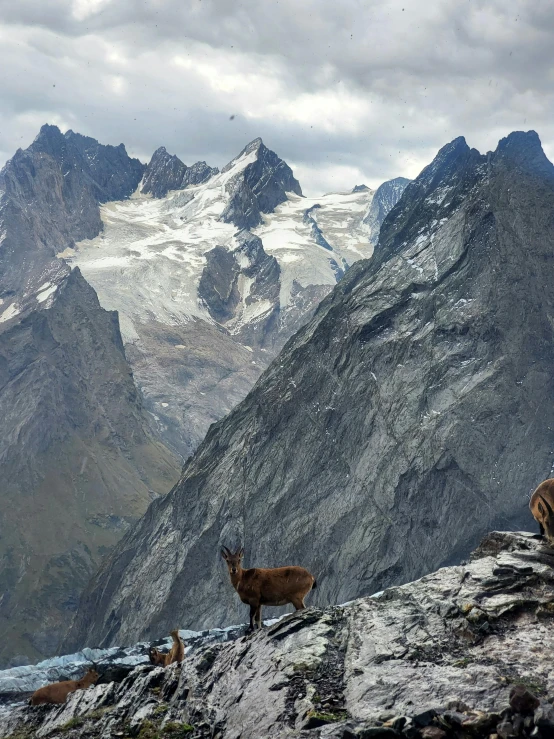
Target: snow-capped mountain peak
{"x": 241, "y": 253}
{"x": 250, "y": 149}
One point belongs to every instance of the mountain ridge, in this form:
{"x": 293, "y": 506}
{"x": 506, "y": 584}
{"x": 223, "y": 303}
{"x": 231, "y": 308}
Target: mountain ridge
{"x": 77, "y": 458}
{"x": 416, "y": 386}
{"x": 156, "y": 259}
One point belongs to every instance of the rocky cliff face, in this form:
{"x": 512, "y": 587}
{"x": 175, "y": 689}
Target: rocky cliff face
{"x": 462, "y": 652}
{"x": 167, "y": 172}
{"x": 77, "y": 462}
{"x": 385, "y": 198}
{"x": 258, "y": 188}
{"x": 413, "y": 413}
{"x": 49, "y": 196}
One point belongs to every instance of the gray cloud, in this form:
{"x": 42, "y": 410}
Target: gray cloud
{"x": 346, "y": 92}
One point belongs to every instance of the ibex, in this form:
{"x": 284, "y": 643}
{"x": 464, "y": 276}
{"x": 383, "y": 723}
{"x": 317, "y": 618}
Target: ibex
{"x": 542, "y": 508}
{"x": 58, "y": 692}
{"x": 267, "y": 587}
{"x": 175, "y": 654}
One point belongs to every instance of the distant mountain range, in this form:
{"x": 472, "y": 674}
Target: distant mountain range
{"x": 210, "y": 273}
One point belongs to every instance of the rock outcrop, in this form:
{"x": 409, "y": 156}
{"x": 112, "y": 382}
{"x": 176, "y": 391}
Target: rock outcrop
{"x": 252, "y": 315}
{"x": 385, "y": 198}
{"x": 78, "y": 463}
{"x": 167, "y": 172}
{"x": 412, "y": 414}
{"x": 462, "y": 652}
{"x": 258, "y": 188}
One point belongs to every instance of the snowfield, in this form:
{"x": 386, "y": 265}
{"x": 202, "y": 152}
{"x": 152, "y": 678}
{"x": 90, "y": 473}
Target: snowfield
{"x": 147, "y": 262}
{"x": 288, "y": 237}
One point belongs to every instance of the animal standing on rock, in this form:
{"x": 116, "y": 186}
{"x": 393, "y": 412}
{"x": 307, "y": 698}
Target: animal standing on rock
{"x": 175, "y": 654}
{"x": 58, "y": 692}
{"x": 267, "y": 587}
{"x": 542, "y": 508}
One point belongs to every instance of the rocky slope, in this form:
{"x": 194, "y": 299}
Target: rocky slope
{"x": 211, "y": 276}
{"x": 77, "y": 461}
{"x": 462, "y": 652}
{"x": 413, "y": 413}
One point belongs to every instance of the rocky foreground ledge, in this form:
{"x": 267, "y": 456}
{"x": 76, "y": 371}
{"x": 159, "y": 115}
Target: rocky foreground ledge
{"x": 434, "y": 658}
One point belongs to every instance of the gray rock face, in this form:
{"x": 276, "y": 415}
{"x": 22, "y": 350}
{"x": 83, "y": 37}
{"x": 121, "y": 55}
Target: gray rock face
{"x": 264, "y": 278}
{"x": 218, "y": 284}
{"x": 385, "y": 198}
{"x": 189, "y": 376}
{"x": 49, "y": 196}
{"x": 219, "y": 289}
{"x": 462, "y": 652}
{"x": 204, "y": 308}
{"x": 413, "y": 413}
{"x": 167, "y": 172}
{"x": 164, "y": 172}
{"x": 112, "y": 174}
{"x": 259, "y": 188}
{"x": 77, "y": 462}
{"x": 309, "y": 220}
{"x": 198, "y": 173}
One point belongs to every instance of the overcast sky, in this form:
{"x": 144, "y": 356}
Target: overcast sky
{"x": 346, "y": 91}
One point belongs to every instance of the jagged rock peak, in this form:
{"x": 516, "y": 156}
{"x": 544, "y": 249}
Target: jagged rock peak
{"x": 257, "y": 143}
{"x": 360, "y": 188}
{"x": 106, "y": 170}
{"x": 260, "y": 184}
{"x": 164, "y": 172}
{"x": 520, "y": 140}
{"x": 49, "y": 131}
{"x": 435, "y": 194}
{"x": 449, "y": 157}
{"x": 524, "y": 148}
{"x": 444, "y": 184}
{"x": 51, "y": 140}
{"x": 89, "y": 141}
{"x": 253, "y": 146}
{"x": 50, "y": 197}
{"x": 197, "y": 173}
{"x": 167, "y": 172}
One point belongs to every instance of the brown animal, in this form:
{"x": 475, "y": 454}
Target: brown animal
{"x": 175, "y": 654}
{"x": 267, "y": 587}
{"x": 58, "y": 692}
{"x": 542, "y": 508}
